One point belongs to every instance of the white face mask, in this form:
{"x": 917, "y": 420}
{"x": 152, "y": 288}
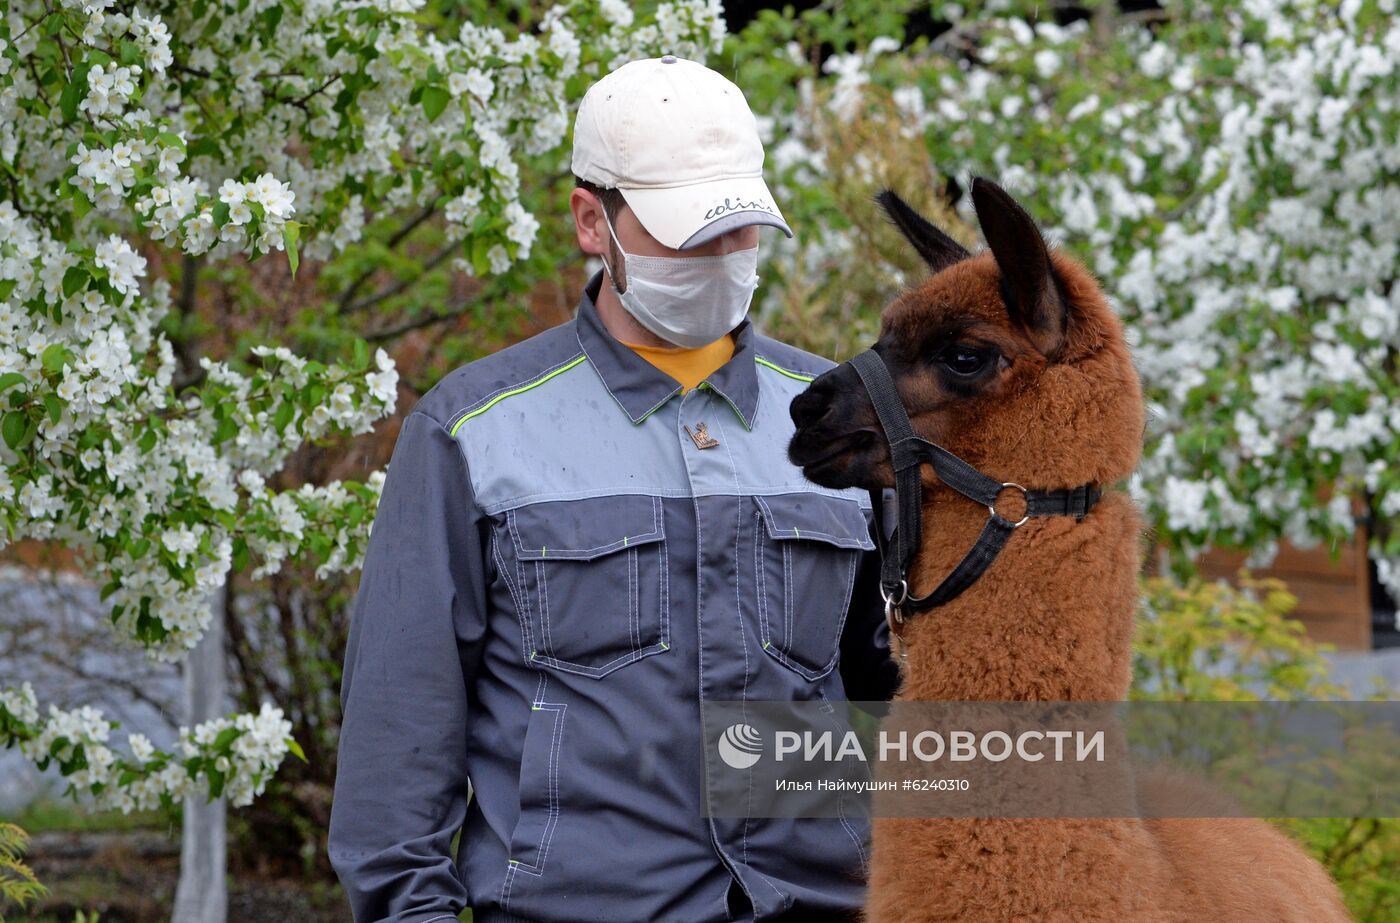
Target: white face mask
{"x": 687, "y": 300}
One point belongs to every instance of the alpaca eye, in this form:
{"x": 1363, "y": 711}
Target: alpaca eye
{"x": 961, "y": 360}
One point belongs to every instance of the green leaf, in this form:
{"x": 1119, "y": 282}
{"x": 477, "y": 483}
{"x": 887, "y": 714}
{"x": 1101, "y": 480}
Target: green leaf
{"x": 75, "y": 280}
{"x": 54, "y": 404}
{"x": 361, "y": 356}
{"x": 270, "y": 18}
{"x": 81, "y": 205}
{"x": 296, "y": 750}
{"x": 291, "y": 231}
{"x": 13, "y": 427}
{"x": 55, "y": 355}
{"x": 221, "y": 214}
{"x": 226, "y": 430}
{"x": 481, "y": 265}
{"x": 285, "y": 412}
{"x": 226, "y": 737}
{"x": 435, "y": 100}
{"x": 205, "y": 146}
{"x": 73, "y": 95}
{"x": 7, "y": 287}
{"x": 10, "y": 379}
{"x": 320, "y": 545}
{"x": 147, "y": 440}
{"x": 349, "y": 91}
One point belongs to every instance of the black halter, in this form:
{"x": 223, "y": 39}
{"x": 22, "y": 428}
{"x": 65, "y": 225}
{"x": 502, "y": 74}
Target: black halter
{"x": 908, "y": 453}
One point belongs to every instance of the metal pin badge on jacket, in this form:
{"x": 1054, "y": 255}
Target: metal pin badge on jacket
{"x": 701, "y": 437}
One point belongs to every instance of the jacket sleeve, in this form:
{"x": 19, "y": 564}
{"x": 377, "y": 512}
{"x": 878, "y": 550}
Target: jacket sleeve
{"x": 415, "y": 632}
{"x": 868, "y": 672}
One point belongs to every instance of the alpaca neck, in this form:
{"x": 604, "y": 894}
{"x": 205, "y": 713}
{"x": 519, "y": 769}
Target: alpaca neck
{"x": 1050, "y": 620}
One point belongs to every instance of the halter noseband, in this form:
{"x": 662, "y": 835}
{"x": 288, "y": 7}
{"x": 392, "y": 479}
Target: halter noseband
{"x": 908, "y": 453}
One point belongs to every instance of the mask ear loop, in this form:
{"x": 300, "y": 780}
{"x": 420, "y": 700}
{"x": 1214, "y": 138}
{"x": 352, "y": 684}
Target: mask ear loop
{"x": 611, "y": 278}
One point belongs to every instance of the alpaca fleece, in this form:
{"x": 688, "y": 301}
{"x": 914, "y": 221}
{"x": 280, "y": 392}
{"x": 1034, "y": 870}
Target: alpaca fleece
{"x": 1052, "y": 618}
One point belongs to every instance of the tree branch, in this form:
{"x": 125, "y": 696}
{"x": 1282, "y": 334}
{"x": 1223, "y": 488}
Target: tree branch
{"x": 393, "y": 242}
{"x": 191, "y": 373}
{"x": 404, "y": 284}
{"x": 126, "y": 685}
{"x": 417, "y": 323}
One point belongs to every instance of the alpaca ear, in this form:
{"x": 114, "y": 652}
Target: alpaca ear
{"x": 1027, "y": 282}
{"x": 938, "y": 250}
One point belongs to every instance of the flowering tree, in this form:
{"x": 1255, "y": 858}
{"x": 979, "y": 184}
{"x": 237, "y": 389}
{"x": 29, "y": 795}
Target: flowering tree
{"x": 1229, "y": 169}
{"x": 141, "y": 145}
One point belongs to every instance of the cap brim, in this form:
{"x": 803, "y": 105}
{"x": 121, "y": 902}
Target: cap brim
{"x": 681, "y": 217}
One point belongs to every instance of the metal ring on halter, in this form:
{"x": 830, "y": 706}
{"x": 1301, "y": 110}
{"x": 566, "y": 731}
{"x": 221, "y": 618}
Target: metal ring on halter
{"x": 890, "y": 598}
{"x": 892, "y": 615}
{"x": 893, "y": 603}
{"x": 1025, "y": 494}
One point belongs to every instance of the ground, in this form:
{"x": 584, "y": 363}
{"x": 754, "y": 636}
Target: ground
{"x": 130, "y": 877}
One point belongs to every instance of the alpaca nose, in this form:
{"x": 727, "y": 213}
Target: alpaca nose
{"x": 810, "y": 406}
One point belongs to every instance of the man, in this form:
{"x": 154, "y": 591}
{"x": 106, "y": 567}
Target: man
{"x": 583, "y": 537}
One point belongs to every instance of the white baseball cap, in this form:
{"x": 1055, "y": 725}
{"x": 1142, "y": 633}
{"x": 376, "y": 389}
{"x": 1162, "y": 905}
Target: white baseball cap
{"x": 681, "y": 144}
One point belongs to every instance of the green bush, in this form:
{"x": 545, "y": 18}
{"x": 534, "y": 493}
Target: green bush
{"x": 17, "y": 882}
{"x": 1207, "y": 641}
{"x": 1203, "y": 641}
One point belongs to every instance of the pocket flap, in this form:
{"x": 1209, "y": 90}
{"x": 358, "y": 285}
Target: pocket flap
{"x": 816, "y": 516}
{"x": 579, "y": 530}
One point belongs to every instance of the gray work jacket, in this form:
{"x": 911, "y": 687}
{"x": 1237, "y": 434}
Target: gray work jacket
{"x": 569, "y": 556}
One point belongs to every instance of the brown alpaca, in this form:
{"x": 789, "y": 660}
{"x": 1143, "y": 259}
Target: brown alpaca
{"x": 1013, "y": 360}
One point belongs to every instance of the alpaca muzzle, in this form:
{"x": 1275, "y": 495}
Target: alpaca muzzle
{"x": 908, "y": 453}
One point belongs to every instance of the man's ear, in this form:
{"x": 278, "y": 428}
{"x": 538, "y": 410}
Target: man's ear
{"x": 592, "y": 231}
{"x": 587, "y": 210}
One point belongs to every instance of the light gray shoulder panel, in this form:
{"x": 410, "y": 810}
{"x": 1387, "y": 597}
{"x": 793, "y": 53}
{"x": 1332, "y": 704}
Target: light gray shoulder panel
{"x": 558, "y": 434}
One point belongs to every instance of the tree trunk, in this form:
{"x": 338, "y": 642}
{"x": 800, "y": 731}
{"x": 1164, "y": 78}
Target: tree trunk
{"x": 202, "y": 896}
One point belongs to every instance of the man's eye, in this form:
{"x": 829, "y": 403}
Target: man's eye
{"x": 961, "y": 360}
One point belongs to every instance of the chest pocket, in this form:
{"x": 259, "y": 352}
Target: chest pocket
{"x": 591, "y": 581}
{"x": 806, "y": 549}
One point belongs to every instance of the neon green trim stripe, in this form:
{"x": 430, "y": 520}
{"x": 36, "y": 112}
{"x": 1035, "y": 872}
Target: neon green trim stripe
{"x": 780, "y": 370}
{"x": 706, "y": 386}
{"x": 520, "y": 390}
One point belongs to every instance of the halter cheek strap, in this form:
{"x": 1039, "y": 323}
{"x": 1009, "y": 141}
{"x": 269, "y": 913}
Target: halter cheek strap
{"x": 908, "y": 453}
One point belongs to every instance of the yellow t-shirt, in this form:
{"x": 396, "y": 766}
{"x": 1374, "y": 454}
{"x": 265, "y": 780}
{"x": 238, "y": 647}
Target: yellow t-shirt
{"x": 687, "y": 366}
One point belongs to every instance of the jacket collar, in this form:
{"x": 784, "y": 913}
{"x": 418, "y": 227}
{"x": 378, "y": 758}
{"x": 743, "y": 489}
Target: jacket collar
{"x": 640, "y": 387}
